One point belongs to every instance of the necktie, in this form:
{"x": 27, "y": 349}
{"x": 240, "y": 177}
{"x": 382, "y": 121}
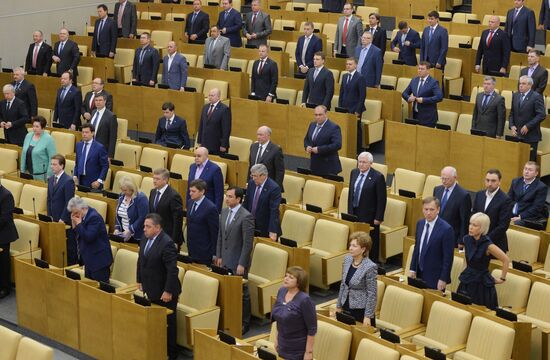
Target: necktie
{"x": 345, "y": 32}
{"x": 100, "y": 27}
{"x": 420, "y": 84}
{"x": 362, "y": 57}
{"x": 141, "y": 55}
{"x": 304, "y": 49}
{"x": 225, "y": 15}
{"x": 210, "y": 110}
{"x": 85, "y": 156}
{"x": 60, "y": 50}
{"x": 157, "y": 199}
{"x": 524, "y": 188}
{"x": 431, "y": 34}
{"x": 372, "y": 31}
{"x": 193, "y": 209}
{"x": 17, "y": 86}
{"x": 357, "y": 190}
{"x": 35, "y": 56}
{"x": 8, "y": 105}
{"x": 515, "y": 15}
{"x": 228, "y": 221}
{"x": 147, "y": 246}
{"x": 254, "y": 18}
{"x": 315, "y": 73}
{"x": 259, "y": 155}
{"x": 522, "y": 98}
{"x": 316, "y": 132}
{"x": 350, "y": 76}
{"x": 424, "y": 245}
{"x": 63, "y": 94}
{"x": 485, "y": 100}
{"x": 490, "y": 37}
{"x": 193, "y": 18}
{"x": 261, "y": 67}
{"x": 120, "y": 13}
{"x": 92, "y": 102}
{"x": 95, "y": 119}
{"x": 255, "y": 201}
{"x": 444, "y": 199}
{"x": 168, "y": 124}
{"x": 55, "y": 180}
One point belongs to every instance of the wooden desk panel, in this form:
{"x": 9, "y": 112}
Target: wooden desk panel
{"x": 212, "y": 11}
{"x": 62, "y": 308}
{"x": 103, "y": 67}
{"x": 502, "y": 83}
{"x": 208, "y": 346}
{"x": 238, "y": 81}
{"x": 468, "y": 57}
{"x": 508, "y": 157}
{"x": 400, "y": 146}
{"x": 466, "y": 155}
{"x": 432, "y": 152}
{"x": 46, "y": 87}
{"x": 460, "y": 107}
{"x": 391, "y": 103}
{"x": 31, "y": 296}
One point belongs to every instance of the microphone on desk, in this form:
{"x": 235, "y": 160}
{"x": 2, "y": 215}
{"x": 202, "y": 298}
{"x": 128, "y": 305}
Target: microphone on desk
{"x": 410, "y": 10}
{"x": 63, "y": 259}
{"x": 137, "y": 130}
{"x": 34, "y": 207}
{"x": 172, "y": 13}
{"x": 30, "y": 250}
{"x": 402, "y": 112}
{"x": 164, "y": 161}
{"x": 135, "y": 159}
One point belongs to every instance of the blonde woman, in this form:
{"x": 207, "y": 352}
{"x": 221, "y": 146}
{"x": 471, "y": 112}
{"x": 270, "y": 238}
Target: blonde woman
{"x": 131, "y": 209}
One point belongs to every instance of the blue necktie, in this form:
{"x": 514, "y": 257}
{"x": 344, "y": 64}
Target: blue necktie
{"x": 147, "y": 246}
{"x": 424, "y": 245}
{"x": 444, "y": 199}
{"x": 63, "y": 94}
{"x": 157, "y": 199}
{"x": 193, "y": 209}
{"x": 485, "y": 101}
{"x": 357, "y": 191}
{"x": 85, "y": 158}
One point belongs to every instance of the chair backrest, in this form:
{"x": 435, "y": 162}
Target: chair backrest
{"x": 294, "y": 187}
{"x": 402, "y": 83}
{"x": 364, "y": 11}
{"x": 287, "y": 94}
{"x": 268, "y": 262}
{"x": 85, "y": 75}
{"x": 40, "y": 196}
{"x": 328, "y": 29}
{"x": 333, "y": 342}
{"x": 453, "y": 68}
{"x": 146, "y": 185}
{"x": 456, "y": 270}
{"x": 146, "y": 15}
{"x": 172, "y": 16}
{"x": 124, "y": 56}
{"x": 369, "y": 349}
{"x": 464, "y": 123}
{"x": 431, "y": 182}
{"x": 197, "y": 83}
{"x": 513, "y": 293}
{"x": 409, "y": 180}
{"x": 438, "y": 329}
{"x": 290, "y": 48}
{"x": 389, "y": 56}
{"x": 373, "y": 110}
{"x": 389, "y": 80}
{"x": 199, "y": 291}
{"x": 330, "y": 236}
{"x": 9, "y": 341}
{"x": 223, "y": 86}
{"x": 129, "y": 154}
{"x": 544, "y": 144}
{"x": 490, "y": 340}
{"x": 31, "y": 349}
{"x": 223, "y": 168}
{"x": 15, "y": 188}
{"x": 381, "y": 168}
{"x": 180, "y": 165}
{"x": 409, "y": 259}
{"x": 343, "y": 200}
{"x": 394, "y": 215}
{"x": 319, "y": 193}
{"x": 27, "y": 231}
{"x": 136, "y": 178}
{"x": 447, "y": 118}
{"x": 161, "y": 38}
{"x": 100, "y": 206}
{"x": 122, "y": 130}
{"x": 455, "y": 40}
{"x": 64, "y": 142}
{"x": 153, "y": 158}
{"x": 238, "y": 63}
{"x": 522, "y": 246}
{"x": 401, "y": 307}
{"x": 515, "y": 71}
{"x": 298, "y": 226}
{"x": 9, "y": 160}
{"x": 240, "y": 147}
{"x": 348, "y": 164}
{"x": 125, "y": 266}
{"x": 537, "y": 306}
{"x": 380, "y": 288}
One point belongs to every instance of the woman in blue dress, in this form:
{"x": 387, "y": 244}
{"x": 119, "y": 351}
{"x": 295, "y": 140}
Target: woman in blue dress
{"x": 476, "y": 281}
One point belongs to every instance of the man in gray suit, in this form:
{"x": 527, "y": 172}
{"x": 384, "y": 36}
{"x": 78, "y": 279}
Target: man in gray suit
{"x": 489, "y": 110}
{"x": 174, "y": 68}
{"x": 348, "y": 32}
{"x": 257, "y": 25}
{"x": 235, "y": 238}
{"x": 126, "y": 18}
{"x": 217, "y": 50}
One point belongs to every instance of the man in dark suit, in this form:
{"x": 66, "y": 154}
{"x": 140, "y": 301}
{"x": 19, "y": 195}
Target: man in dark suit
{"x": 307, "y": 46}
{"x": 432, "y": 258}
{"x": 105, "y": 34}
{"x": 405, "y": 43}
{"x": 105, "y": 125}
{"x": 367, "y": 198}
{"x": 319, "y": 84}
{"x": 60, "y": 190}
{"x": 424, "y": 93}
{"x": 126, "y": 17}
{"x": 528, "y": 194}
{"x": 215, "y": 124}
{"x": 527, "y": 113}
{"x": 91, "y": 163}
{"x": 489, "y": 111}
{"x": 334, "y": 6}
{"x": 265, "y": 75}
{"x": 68, "y": 103}
{"x": 455, "y": 203}
{"x": 202, "y": 224}
{"x": 435, "y": 42}
{"x": 497, "y": 205}
{"x": 66, "y": 55}
{"x": 322, "y": 141}
{"x": 166, "y": 201}
{"x": 544, "y": 16}
{"x": 93, "y": 242}
{"x": 172, "y": 129}
{"x": 263, "y": 197}
{"x": 521, "y": 27}
{"x": 157, "y": 274}
{"x": 146, "y": 62}
{"x": 13, "y": 116}
{"x": 378, "y": 33}
{"x": 348, "y": 32}
{"x": 264, "y": 151}
{"x": 369, "y": 60}
{"x": 88, "y": 104}
{"x": 25, "y": 91}
{"x": 39, "y": 56}
{"x": 217, "y": 50}
{"x": 197, "y": 24}
{"x": 536, "y": 71}
{"x": 8, "y": 234}
{"x": 174, "y": 69}
{"x": 353, "y": 92}
{"x": 211, "y": 173}
{"x": 234, "y": 245}
{"x": 257, "y": 25}
{"x": 494, "y": 49}
{"x": 230, "y": 23}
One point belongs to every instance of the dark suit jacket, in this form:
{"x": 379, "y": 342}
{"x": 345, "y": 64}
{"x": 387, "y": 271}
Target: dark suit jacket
{"x": 202, "y": 231}
{"x": 328, "y": 142}
{"x": 67, "y": 111}
{"x": 437, "y": 261}
{"x": 373, "y": 198}
{"x": 431, "y": 94}
{"x": 233, "y": 24}
{"x": 235, "y": 240}
{"x": 59, "y": 196}
{"x": 97, "y": 163}
{"x": 199, "y": 27}
{"x": 434, "y": 51}
{"x": 372, "y": 65}
{"x": 93, "y": 242}
{"x": 353, "y": 93}
{"x": 261, "y": 27}
{"x": 500, "y": 213}
{"x": 539, "y": 76}
{"x": 407, "y": 53}
{"x": 530, "y": 113}
{"x": 457, "y": 210}
{"x": 27, "y": 93}
{"x": 8, "y": 231}
{"x": 265, "y": 83}
{"x": 157, "y": 271}
{"x": 315, "y": 45}
{"x": 320, "y": 90}
{"x": 137, "y": 210}
{"x": 86, "y": 108}
{"x": 497, "y": 54}
{"x": 70, "y": 57}
{"x": 175, "y": 134}
{"x": 129, "y": 18}
{"x": 106, "y": 132}
{"x": 267, "y": 209}
{"x": 149, "y": 67}
{"x": 170, "y": 209}
{"x": 544, "y": 14}
{"x": 43, "y": 60}
{"x": 105, "y": 41}
{"x": 176, "y": 76}
{"x": 523, "y": 29}
{"x": 18, "y": 116}
{"x": 214, "y": 131}
{"x": 379, "y": 39}
{"x": 272, "y": 158}
{"x": 531, "y": 203}
{"x": 212, "y": 175}
{"x": 492, "y": 118}
{"x": 334, "y": 6}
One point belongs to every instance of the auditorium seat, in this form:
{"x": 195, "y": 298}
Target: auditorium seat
{"x": 265, "y": 277}
{"x": 401, "y": 310}
{"x": 290, "y": 46}
{"x": 129, "y": 154}
{"x": 267, "y": 342}
{"x": 223, "y": 168}
{"x": 83, "y": 50}
{"x": 124, "y": 268}
{"x": 486, "y": 18}
{"x": 487, "y": 340}
{"x": 122, "y": 129}
{"x": 402, "y": 83}
{"x": 445, "y": 16}
{"x": 146, "y": 15}
{"x": 279, "y": 24}
{"x": 33, "y": 199}
{"x": 31, "y": 349}
{"x": 431, "y": 182}
{"x": 100, "y": 206}
{"x": 136, "y": 178}
{"x": 153, "y": 158}
{"x": 335, "y": 73}
{"x": 9, "y": 341}
{"x": 389, "y": 56}
{"x": 191, "y": 62}
{"x": 371, "y": 120}
{"x": 393, "y": 229}
{"x": 197, "y": 83}
{"x": 332, "y": 342}
{"x": 28, "y": 232}
{"x": 389, "y": 80}
{"x": 9, "y": 162}
{"x": 364, "y": 11}
{"x": 64, "y": 142}
{"x": 326, "y": 253}
{"x": 462, "y": 18}
{"x": 46, "y": 113}
{"x": 507, "y": 95}
{"x": 298, "y": 226}
{"x": 287, "y": 94}
{"x": 408, "y": 180}
{"x": 180, "y": 165}
{"x": 348, "y": 164}
{"x": 543, "y": 152}
{"x": 15, "y": 187}
{"x": 241, "y": 147}
{"x": 200, "y": 62}
{"x": 453, "y": 79}
{"x": 447, "y": 118}
{"x": 464, "y": 124}
{"x": 196, "y": 307}
{"x": 537, "y": 313}
{"x": 522, "y": 246}
{"x": 515, "y": 71}
{"x": 369, "y": 349}
{"x": 320, "y": 194}
{"x": 146, "y": 185}
{"x": 160, "y": 39}
{"x": 294, "y": 188}
{"x": 381, "y": 168}
{"x": 276, "y": 43}
{"x": 291, "y": 6}
{"x": 313, "y": 7}
{"x": 545, "y": 271}
{"x": 456, "y": 40}
{"x": 342, "y": 203}
{"x": 475, "y": 42}
{"x": 124, "y": 62}
{"x": 330, "y": 31}
{"x": 512, "y": 294}
{"x": 238, "y": 63}
{"x": 439, "y": 334}
{"x": 85, "y": 75}
{"x": 456, "y": 270}
{"x": 210, "y": 84}
{"x": 171, "y": 16}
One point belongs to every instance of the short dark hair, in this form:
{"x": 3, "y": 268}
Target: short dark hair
{"x": 402, "y": 25}
{"x": 155, "y": 218}
{"x": 433, "y": 14}
{"x": 88, "y": 126}
{"x": 168, "y": 106}
{"x": 198, "y": 184}
{"x": 100, "y": 96}
{"x": 430, "y": 199}
{"x": 495, "y": 172}
{"x": 426, "y": 64}
{"x": 321, "y": 54}
{"x": 60, "y": 159}
{"x": 40, "y": 119}
{"x": 103, "y": 6}
{"x": 70, "y": 74}
{"x": 352, "y": 58}
{"x": 537, "y": 52}
{"x": 146, "y": 34}
{"x": 376, "y": 15}
{"x": 239, "y": 192}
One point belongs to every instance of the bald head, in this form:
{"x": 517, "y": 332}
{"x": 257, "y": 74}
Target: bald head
{"x": 214, "y": 95}
{"x": 201, "y": 155}
{"x": 448, "y": 176}
{"x": 172, "y": 47}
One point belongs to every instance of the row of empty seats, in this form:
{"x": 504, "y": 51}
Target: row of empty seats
{"x": 18, "y": 347}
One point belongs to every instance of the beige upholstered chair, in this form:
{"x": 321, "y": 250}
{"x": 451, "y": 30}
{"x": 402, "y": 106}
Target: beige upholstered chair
{"x": 545, "y": 271}
{"x": 369, "y": 349}
{"x": 122, "y": 129}
{"x": 64, "y": 142}
{"x": 463, "y": 18}
{"x": 452, "y": 77}
{"x": 401, "y": 310}
{"x": 537, "y": 313}
{"x": 124, "y": 62}
{"x": 197, "y": 83}
{"x": 487, "y": 340}
{"x": 27, "y": 231}
{"x": 15, "y": 187}
{"x": 522, "y": 246}
{"x": 31, "y": 349}
{"x": 265, "y": 277}
{"x": 129, "y": 154}
{"x": 371, "y": 118}
{"x": 174, "y": 16}
{"x": 294, "y": 188}
{"x": 364, "y": 11}
{"x": 514, "y": 293}
{"x": 327, "y": 251}
{"x": 33, "y": 199}
{"x": 287, "y": 94}
{"x": 449, "y": 118}
{"x": 9, "y": 341}
{"x": 543, "y": 152}
{"x": 333, "y": 342}
{"x": 146, "y": 185}
{"x": 153, "y": 158}
{"x": 124, "y": 268}
{"x": 161, "y": 38}
{"x": 211, "y": 84}
{"x": 408, "y": 180}
{"x": 240, "y": 147}
{"x": 393, "y": 229}
{"x": 431, "y": 182}
{"x": 464, "y": 123}
{"x": 99, "y": 205}
{"x": 269, "y": 341}
{"x": 382, "y": 168}
{"x": 46, "y": 113}
{"x": 146, "y": 15}
{"x": 120, "y": 174}
{"x": 456, "y": 40}
{"x": 292, "y": 5}
{"x": 456, "y": 270}
{"x": 320, "y": 194}
{"x": 85, "y": 75}
{"x": 180, "y": 165}
{"x": 298, "y": 226}
{"x": 238, "y": 63}
{"x": 9, "y": 158}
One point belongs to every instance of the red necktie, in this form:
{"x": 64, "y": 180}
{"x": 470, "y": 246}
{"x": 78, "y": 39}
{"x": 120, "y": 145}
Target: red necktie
{"x": 261, "y": 66}
{"x": 35, "y": 56}
{"x": 210, "y": 110}
{"x": 253, "y": 19}
{"x": 345, "y": 32}
{"x": 490, "y": 38}
{"x": 92, "y": 102}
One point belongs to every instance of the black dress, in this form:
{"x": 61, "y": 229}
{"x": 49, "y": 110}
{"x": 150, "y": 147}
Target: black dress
{"x": 476, "y": 281}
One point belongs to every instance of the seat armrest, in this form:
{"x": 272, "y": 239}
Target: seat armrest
{"x": 332, "y": 267}
{"x": 452, "y": 349}
{"x": 253, "y": 339}
{"x": 202, "y": 319}
{"x": 265, "y": 292}
{"x": 130, "y": 288}
{"x": 411, "y": 330}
